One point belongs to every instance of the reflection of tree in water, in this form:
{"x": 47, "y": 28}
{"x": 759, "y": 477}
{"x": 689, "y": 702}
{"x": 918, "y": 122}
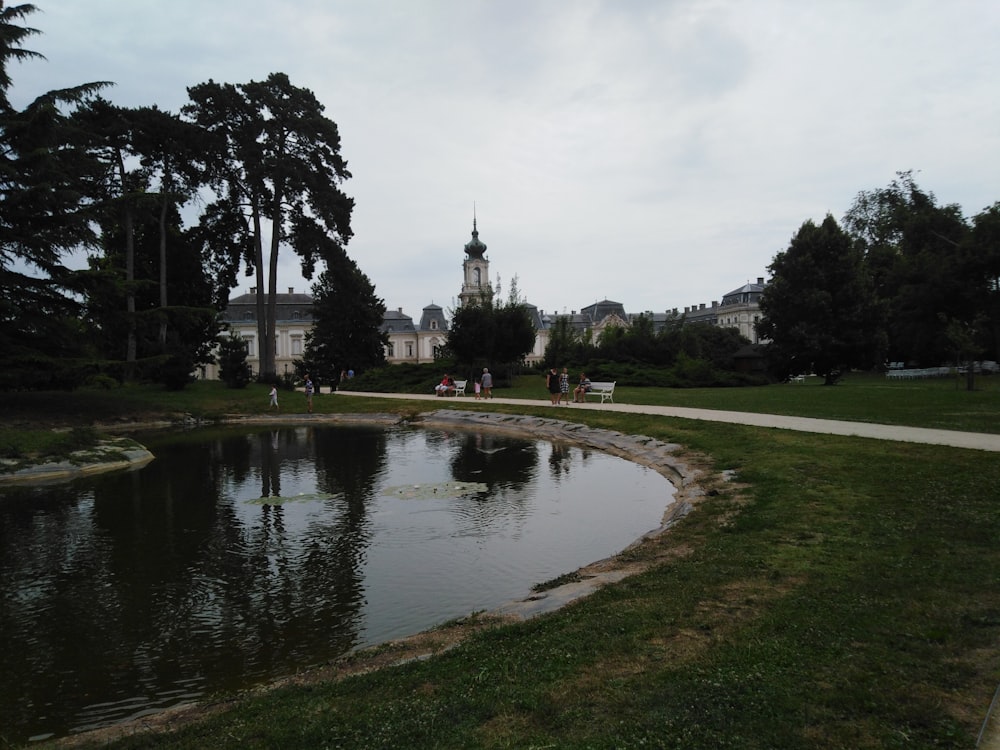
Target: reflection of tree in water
{"x": 50, "y": 562}
{"x": 270, "y": 474}
{"x": 172, "y": 580}
{"x": 307, "y": 584}
{"x": 497, "y": 460}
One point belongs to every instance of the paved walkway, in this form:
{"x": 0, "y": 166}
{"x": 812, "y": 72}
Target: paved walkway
{"x": 952, "y": 438}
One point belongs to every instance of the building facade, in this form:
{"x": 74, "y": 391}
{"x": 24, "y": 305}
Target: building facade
{"x": 423, "y": 341}
{"x": 293, "y": 319}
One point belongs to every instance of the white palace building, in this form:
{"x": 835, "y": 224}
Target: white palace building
{"x": 422, "y": 341}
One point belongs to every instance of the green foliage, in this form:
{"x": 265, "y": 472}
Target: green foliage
{"x": 253, "y": 127}
{"x": 490, "y": 335}
{"x": 819, "y": 310}
{"x": 233, "y": 368}
{"x": 981, "y": 258}
{"x": 679, "y": 356}
{"x": 403, "y": 378}
{"x": 913, "y": 250}
{"x": 565, "y": 344}
{"x": 348, "y": 316}
{"x": 43, "y": 444}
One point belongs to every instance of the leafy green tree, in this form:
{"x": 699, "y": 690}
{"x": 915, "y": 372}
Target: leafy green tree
{"x": 233, "y": 368}
{"x": 122, "y": 188}
{"x": 44, "y": 216}
{"x": 487, "y": 334}
{"x": 276, "y": 161}
{"x": 192, "y": 318}
{"x": 563, "y": 346}
{"x": 708, "y": 343}
{"x": 515, "y": 336}
{"x": 472, "y": 335}
{"x": 912, "y": 249}
{"x": 171, "y": 151}
{"x": 819, "y": 310}
{"x": 348, "y": 315}
{"x": 981, "y": 254}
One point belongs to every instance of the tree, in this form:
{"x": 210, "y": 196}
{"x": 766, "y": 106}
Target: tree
{"x": 44, "y": 215}
{"x": 277, "y": 162}
{"x": 819, "y": 310}
{"x": 170, "y": 150}
{"x": 981, "y": 257}
{"x": 348, "y": 316}
{"x": 192, "y": 317}
{"x": 233, "y": 368}
{"x": 912, "y": 252}
{"x": 485, "y": 334}
{"x": 123, "y": 186}
{"x": 564, "y": 344}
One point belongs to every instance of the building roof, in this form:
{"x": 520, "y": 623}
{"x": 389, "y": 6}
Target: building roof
{"x": 745, "y": 294}
{"x": 288, "y": 307}
{"x": 433, "y": 319}
{"x": 395, "y": 320}
{"x": 600, "y": 310}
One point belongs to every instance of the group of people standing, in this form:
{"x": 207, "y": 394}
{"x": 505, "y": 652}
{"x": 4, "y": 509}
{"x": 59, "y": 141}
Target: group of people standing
{"x": 558, "y": 386}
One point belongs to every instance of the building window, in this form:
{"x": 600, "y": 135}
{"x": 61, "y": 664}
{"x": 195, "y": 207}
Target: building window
{"x": 251, "y": 348}
{"x": 409, "y": 349}
{"x": 296, "y": 345}
{"x": 248, "y": 315}
{"x": 476, "y": 277}
{"x": 434, "y": 325}
{"x": 296, "y": 315}
{"x": 390, "y": 350}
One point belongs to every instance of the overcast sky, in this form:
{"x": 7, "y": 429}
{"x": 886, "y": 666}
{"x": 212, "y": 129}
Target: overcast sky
{"x": 655, "y": 153}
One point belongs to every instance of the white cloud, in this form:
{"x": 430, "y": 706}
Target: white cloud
{"x": 656, "y": 153}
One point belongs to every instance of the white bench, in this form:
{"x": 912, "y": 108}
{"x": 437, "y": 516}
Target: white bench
{"x": 606, "y": 390}
{"x": 460, "y": 387}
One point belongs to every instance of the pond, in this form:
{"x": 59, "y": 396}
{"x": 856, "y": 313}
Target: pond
{"x": 239, "y": 555}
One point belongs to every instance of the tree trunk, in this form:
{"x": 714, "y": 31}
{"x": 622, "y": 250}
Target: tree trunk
{"x": 262, "y": 341}
{"x": 272, "y": 300}
{"x": 128, "y": 223}
{"x": 163, "y": 274}
{"x": 272, "y": 281}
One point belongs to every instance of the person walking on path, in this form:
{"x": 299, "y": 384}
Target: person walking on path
{"x": 487, "y": 384}
{"x": 309, "y": 394}
{"x": 564, "y": 386}
{"x": 274, "y": 397}
{"x": 552, "y": 384}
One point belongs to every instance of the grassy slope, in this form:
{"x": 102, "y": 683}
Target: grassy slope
{"x": 846, "y": 598}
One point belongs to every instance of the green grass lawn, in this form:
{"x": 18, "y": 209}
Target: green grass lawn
{"x": 841, "y": 594}
{"x": 939, "y": 403}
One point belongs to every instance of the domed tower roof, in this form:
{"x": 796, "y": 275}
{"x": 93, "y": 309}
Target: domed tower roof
{"x": 475, "y": 248}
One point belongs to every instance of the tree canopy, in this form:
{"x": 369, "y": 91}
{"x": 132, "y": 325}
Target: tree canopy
{"x": 492, "y": 334}
{"x": 276, "y": 167}
{"x": 348, "y": 317}
{"x": 819, "y": 309}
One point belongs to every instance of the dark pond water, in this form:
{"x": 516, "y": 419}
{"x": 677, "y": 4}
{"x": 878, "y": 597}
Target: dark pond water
{"x": 238, "y": 556}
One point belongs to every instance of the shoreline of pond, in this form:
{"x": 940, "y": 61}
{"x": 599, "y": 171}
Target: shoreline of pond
{"x": 685, "y": 470}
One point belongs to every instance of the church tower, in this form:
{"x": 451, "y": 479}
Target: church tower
{"x": 476, "y": 285}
